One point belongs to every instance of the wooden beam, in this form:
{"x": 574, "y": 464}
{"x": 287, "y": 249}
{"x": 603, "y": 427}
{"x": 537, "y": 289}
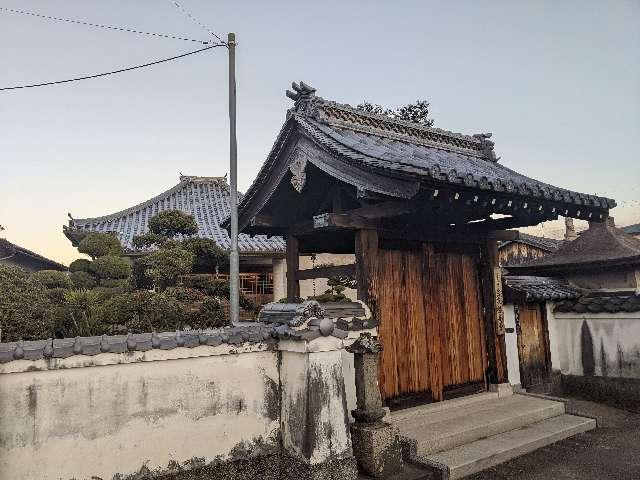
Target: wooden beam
{"x": 261, "y": 221}
{"x": 326, "y": 272}
{"x": 293, "y": 264}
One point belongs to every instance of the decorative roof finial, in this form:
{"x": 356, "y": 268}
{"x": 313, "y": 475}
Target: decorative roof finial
{"x": 300, "y": 90}
{"x": 487, "y": 146}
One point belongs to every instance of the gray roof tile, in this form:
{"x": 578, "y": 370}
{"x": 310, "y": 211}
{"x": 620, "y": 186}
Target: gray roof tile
{"x": 206, "y": 198}
{"x": 540, "y": 288}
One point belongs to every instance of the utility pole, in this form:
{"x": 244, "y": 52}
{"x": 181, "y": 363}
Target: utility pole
{"x": 234, "y": 259}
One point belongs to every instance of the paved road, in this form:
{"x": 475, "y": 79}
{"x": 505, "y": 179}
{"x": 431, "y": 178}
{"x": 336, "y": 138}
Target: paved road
{"x": 612, "y": 451}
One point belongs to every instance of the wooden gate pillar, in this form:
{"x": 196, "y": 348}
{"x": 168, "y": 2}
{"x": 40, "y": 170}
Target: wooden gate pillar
{"x": 493, "y": 313}
{"x": 367, "y": 268}
{"x": 293, "y": 264}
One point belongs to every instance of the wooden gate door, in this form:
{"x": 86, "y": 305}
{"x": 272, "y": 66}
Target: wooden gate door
{"x": 431, "y": 326}
{"x": 532, "y": 345}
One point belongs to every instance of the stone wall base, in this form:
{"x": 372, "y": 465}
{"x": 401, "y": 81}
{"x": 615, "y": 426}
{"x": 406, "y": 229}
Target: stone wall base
{"x": 337, "y": 469}
{"x": 615, "y": 391}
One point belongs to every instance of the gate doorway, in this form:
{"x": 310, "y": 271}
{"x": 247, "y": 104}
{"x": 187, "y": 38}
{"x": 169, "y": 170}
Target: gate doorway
{"x": 533, "y": 344}
{"x": 431, "y": 325}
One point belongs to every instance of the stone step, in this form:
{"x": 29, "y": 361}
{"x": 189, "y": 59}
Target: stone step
{"x": 446, "y": 429}
{"x": 422, "y": 410}
{"x": 484, "y": 453}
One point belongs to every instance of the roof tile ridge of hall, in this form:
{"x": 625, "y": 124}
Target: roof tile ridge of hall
{"x": 184, "y": 180}
{"x": 322, "y": 110}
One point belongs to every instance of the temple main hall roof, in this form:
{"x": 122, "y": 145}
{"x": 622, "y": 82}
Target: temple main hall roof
{"x": 206, "y": 198}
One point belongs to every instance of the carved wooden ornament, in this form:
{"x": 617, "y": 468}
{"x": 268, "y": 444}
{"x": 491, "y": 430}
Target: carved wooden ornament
{"x": 497, "y": 281}
{"x": 298, "y": 170}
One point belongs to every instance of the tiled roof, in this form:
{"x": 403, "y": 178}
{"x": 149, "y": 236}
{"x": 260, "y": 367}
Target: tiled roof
{"x": 632, "y": 229}
{"x": 613, "y": 303}
{"x": 600, "y": 244}
{"x": 543, "y": 243}
{"x": 409, "y": 153}
{"x": 141, "y": 342}
{"x": 206, "y": 198}
{"x": 8, "y": 249}
{"x": 541, "y": 288}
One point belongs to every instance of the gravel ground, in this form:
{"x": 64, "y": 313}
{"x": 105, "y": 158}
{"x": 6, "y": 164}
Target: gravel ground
{"x": 611, "y": 451}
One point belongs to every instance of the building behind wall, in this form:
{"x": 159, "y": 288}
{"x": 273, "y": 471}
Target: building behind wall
{"x": 15, "y": 255}
{"x": 262, "y": 274}
{"x": 588, "y": 298}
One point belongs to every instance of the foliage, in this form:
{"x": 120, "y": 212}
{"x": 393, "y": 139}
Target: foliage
{"x": 143, "y": 311}
{"x": 140, "y": 277}
{"x": 110, "y": 267}
{"x": 81, "y": 314}
{"x": 148, "y": 240}
{"x": 25, "y": 307}
{"x": 171, "y": 223}
{"x": 208, "y": 255}
{"x": 83, "y": 280}
{"x": 167, "y": 264}
{"x": 53, "y": 279}
{"x": 417, "y": 112}
{"x": 100, "y": 244}
{"x": 217, "y": 288}
{"x": 80, "y": 265}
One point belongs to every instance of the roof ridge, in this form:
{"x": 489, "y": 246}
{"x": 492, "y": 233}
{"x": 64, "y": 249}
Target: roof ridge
{"x": 309, "y": 104}
{"x": 184, "y": 180}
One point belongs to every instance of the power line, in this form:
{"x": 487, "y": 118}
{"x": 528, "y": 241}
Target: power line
{"x": 87, "y": 77}
{"x": 108, "y": 27}
{"x": 196, "y": 21}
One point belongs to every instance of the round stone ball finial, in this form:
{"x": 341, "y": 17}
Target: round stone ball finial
{"x": 326, "y": 327}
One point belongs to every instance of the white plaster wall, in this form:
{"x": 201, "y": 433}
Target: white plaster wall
{"x": 279, "y": 278}
{"x": 511, "y": 344}
{"x": 64, "y": 421}
{"x": 615, "y": 338}
{"x": 555, "y": 342}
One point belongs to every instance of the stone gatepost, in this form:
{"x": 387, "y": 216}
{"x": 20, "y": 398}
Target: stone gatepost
{"x": 314, "y": 417}
{"x": 376, "y": 444}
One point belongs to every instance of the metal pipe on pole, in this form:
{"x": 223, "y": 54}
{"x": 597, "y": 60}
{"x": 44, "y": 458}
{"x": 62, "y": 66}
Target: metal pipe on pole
{"x": 234, "y": 258}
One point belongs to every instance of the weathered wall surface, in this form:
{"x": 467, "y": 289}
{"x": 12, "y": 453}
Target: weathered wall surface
{"x": 599, "y": 344}
{"x": 156, "y": 410}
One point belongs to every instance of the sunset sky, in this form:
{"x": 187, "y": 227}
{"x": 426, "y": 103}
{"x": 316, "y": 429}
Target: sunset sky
{"x": 558, "y": 84}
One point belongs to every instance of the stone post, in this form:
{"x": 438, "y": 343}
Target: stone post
{"x": 376, "y": 444}
{"x": 314, "y": 419}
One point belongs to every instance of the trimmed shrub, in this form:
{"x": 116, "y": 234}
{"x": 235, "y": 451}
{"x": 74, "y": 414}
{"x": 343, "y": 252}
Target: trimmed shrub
{"x": 111, "y": 267}
{"x": 83, "y": 280}
{"x": 25, "y": 307}
{"x": 148, "y": 240}
{"x": 171, "y": 223}
{"x": 100, "y": 244}
{"x": 140, "y": 277}
{"x": 142, "y": 311}
{"x": 208, "y": 255}
{"x": 53, "y": 279}
{"x": 80, "y": 265}
{"x": 167, "y": 264}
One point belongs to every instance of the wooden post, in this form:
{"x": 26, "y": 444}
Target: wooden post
{"x": 367, "y": 268}
{"x": 293, "y": 264}
{"x": 492, "y": 302}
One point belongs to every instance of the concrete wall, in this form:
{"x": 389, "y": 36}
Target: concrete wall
{"x": 154, "y": 410}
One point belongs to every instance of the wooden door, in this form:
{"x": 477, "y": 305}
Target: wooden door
{"x": 532, "y": 345}
{"x": 431, "y": 325}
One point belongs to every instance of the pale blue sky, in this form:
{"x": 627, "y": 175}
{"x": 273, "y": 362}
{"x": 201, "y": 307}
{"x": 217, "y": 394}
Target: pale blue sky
{"x": 557, "y": 82}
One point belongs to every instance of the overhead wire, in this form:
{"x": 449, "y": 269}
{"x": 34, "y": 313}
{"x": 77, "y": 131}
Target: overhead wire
{"x": 126, "y": 69}
{"x": 108, "y": 27}
{"x": 196, "y": 21}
